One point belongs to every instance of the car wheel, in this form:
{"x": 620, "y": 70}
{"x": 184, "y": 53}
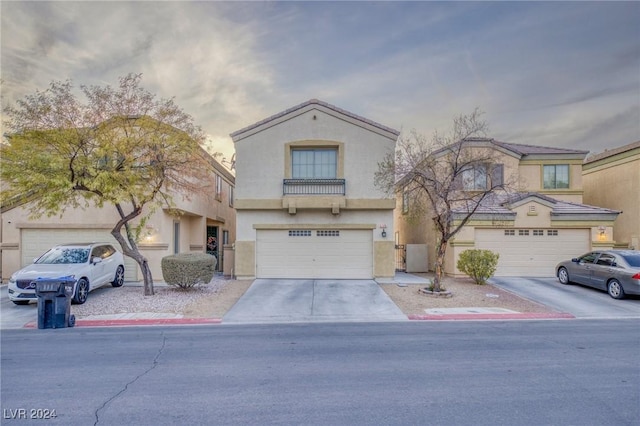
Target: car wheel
{"x": 563, "y": 276}
{"x": 21, "y": 302}
{"x": 119, "y": 278}
{"x": 82, "y": 291}
{"x": 614, "y": 288}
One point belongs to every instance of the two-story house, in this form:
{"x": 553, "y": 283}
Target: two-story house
{"x": 183, "y": 229}
{"x": 307, "y": 205}
{"x": 539, "y": 221}
{"x": 612, "y": 179}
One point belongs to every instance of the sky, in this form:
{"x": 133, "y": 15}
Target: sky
{"x": 559, "y": 74}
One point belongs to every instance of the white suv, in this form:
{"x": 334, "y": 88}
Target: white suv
{"x": 90, "y": 265}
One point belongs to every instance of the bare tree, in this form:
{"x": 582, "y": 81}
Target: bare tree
{"x": 121, "y": 147}
{"x": 446, "y": 178}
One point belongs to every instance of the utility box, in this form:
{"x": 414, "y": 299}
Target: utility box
{"x": 54, "y": 303}
{"x": 417, "y": 258}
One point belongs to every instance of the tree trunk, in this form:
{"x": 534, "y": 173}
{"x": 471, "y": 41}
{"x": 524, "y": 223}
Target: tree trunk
{"x": 148, "y": 279}
{"x": 440, "y": 252}
{"x": 131, "y": 250}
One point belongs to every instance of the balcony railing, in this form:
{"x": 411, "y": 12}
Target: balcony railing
{"x": 313, "y": 187}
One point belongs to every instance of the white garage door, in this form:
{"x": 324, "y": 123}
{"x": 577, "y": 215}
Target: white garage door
{"x": 37, "y": 241}
{"x": 532, "y": 252}
{"x": 331, "y": 254}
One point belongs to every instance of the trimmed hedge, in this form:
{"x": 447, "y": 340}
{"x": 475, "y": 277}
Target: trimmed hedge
{"x": 478, "y": 264}
{"x": 187, "y": 270}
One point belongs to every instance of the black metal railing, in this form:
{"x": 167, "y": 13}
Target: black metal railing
{"x": 313, "y": 187}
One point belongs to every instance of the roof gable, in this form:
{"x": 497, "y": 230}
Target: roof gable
{"x": 308, "y": 106}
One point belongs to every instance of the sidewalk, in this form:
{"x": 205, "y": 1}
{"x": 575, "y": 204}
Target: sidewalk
{"x": 334, "y": 302}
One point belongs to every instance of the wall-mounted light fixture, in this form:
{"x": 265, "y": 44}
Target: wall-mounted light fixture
{"x": 602, "y": 236}
{"x": 149, "y": 233}
{"x": 384, "y": 230}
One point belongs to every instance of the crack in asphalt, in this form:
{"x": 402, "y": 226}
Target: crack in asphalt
{"x": 313, "y": 295}
{"x": 154, "y": 364}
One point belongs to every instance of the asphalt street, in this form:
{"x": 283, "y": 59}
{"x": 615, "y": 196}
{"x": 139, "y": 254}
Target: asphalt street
{"x": 582, "y": 372}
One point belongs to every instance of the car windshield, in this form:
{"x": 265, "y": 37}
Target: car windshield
{"x": 65, "y": 255}
{"x": 632, "y": 259}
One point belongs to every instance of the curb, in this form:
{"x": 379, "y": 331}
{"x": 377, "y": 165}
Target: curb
{"x": 514, "y": 316}
{"x": 138, "y": 322}
{"x": 213, "y": 321}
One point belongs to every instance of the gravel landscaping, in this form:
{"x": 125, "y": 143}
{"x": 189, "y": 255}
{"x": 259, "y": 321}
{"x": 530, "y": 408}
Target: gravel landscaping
{"x": 214, "y": 299}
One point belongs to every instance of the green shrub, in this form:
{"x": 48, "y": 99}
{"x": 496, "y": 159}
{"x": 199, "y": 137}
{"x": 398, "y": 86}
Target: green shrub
{"x": 478, "y": 264}
{"x": 186, "y": 270}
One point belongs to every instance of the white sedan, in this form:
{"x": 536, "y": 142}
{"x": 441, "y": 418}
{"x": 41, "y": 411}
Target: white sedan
{"x": 90, "y": 265}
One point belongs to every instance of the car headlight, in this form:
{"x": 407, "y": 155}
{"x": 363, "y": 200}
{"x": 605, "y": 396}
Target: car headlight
{"x": 12, "y": 280}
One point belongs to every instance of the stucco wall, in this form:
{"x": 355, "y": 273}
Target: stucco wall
{"x": 614, "y": 183}
{"x": 260, "y": 166}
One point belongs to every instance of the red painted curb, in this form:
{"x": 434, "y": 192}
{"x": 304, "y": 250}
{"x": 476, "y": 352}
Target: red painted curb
{"x": 139, "y": 322}
{"x": 515, "y": 316}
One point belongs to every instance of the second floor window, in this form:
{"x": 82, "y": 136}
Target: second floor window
{"x": 320, "y": 163}
{"x": 218, "y": 187}
{"x": 556, "y": 176}
{"x": 483, "y": 177}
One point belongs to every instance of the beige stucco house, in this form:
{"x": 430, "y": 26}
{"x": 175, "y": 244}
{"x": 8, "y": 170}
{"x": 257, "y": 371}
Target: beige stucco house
{"x": 611, "y": 179}
{"x": 22, "y": 239}
{"x": 306, "y": 202}
{"x": 538, "y": 222}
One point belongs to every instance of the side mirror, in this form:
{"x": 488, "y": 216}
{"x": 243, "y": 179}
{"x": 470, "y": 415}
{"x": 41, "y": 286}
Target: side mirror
{"x": 575, "y": 260}
{"x": 614, "y": 264}
{"x": 96, "y": 260}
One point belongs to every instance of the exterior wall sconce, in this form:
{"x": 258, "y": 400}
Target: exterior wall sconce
{"x": 602, "y": 236}
{"x": 384, "y": 230}
{"x": 149, "y": 233}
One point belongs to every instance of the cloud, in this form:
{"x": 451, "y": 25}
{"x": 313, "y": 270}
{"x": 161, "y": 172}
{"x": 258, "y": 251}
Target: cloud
{"x": 551, "y": 73}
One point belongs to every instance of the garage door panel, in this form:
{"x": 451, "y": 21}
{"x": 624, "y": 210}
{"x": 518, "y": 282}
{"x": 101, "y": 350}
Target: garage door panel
{"x": 346, "y": 254}
{"x": 532, "y": 255}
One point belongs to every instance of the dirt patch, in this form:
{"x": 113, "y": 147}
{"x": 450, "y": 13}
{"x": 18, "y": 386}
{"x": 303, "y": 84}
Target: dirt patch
{"x": 465, "y": 294}
{"x": 216, "y": 305}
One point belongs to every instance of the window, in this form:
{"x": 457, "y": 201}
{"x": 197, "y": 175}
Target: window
{"x": 218, "y": 187}
{"x": 176, "y": 237}
{"x": 538, "y": 232}
{"x": 405, "y": 202}
{"x": 328, "y": 233}
{"x": 483, "y": 177}
{"x": 299, "y": 233}
{"x": 319, "y": 163}
{"x": 606, "y": 260}
{"x": 523, "y": 232}
{"x": 510, "y": 232}
{"x": 588, "y": 258}
{"x": 552, "y": 232}
{"x": 556, "y": 176}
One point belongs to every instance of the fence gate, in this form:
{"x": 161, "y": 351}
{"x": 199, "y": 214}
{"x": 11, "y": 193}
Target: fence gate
{"x": 401, "y": 258}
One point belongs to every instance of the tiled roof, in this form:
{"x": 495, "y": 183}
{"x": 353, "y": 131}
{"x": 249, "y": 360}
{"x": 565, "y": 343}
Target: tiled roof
{"x": 499, "y": 204}
{"x": 535, "y": 149}
{"x": 611, "y": 152}
{"x": 519, "y": 149}
{"x": 320, "y": 103}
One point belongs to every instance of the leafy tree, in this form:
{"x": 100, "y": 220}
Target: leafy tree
{"x": 119, "y": 146}
{"x": 445, "y": 178}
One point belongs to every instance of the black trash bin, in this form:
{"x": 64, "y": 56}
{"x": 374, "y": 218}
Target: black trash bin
{"x": 54, "y": 302}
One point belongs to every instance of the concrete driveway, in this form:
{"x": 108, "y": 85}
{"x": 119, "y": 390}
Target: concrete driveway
{"x": 280, "y": 300}
{"x": 580, "y": 301}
